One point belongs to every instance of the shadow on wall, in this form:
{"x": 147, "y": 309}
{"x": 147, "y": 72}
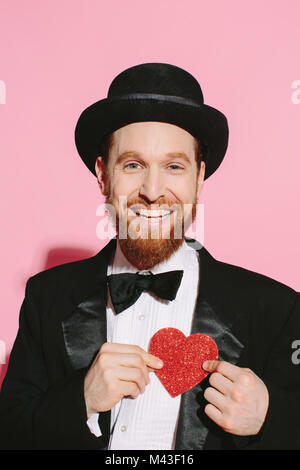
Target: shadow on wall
{"x": 3, "y": 369}
{"x": 54, "y": 257}
{"x": 63, "y": 255}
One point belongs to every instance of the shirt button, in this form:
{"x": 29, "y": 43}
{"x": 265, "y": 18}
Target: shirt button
{"x": 123, "y": 428}
{"x": 141, "y": 317}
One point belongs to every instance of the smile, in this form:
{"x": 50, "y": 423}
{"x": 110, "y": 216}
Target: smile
{"x": 153, "y": 214}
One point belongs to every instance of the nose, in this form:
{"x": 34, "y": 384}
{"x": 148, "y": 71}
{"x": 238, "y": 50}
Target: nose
{"x": 152, "y": 187}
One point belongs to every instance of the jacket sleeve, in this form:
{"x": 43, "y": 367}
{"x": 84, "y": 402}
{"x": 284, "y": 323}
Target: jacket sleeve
{"x": 34, "y": 413}
{"x": 280, "y": 430}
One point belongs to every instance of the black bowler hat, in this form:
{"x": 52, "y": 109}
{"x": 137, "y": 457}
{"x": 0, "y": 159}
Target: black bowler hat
{"x": 153, "y": 92}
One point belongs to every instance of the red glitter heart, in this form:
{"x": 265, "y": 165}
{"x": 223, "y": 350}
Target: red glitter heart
{"x": 183, "y": 358}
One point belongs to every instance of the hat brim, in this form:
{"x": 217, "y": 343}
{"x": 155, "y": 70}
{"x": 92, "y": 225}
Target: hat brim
{"x": 202, "y": 121}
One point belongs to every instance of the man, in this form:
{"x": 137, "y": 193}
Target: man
{"x": 80, "y": 373}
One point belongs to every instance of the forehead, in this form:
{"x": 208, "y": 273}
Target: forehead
{"x": 153, "y": 137}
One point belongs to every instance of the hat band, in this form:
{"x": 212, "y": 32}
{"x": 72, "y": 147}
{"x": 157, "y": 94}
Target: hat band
{"x": 151, "y": 96}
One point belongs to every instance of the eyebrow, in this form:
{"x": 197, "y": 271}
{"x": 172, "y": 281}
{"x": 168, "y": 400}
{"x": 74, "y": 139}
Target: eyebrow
{"x": 131, "y": 153}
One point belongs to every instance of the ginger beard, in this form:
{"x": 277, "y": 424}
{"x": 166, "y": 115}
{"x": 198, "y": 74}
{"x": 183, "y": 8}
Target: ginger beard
{"x": 149, "y": 234}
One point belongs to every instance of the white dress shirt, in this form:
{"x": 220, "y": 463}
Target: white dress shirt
{"x": 150, "y": 420}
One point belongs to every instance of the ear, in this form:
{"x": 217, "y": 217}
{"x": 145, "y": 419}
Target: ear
{"x": 200, "y": 181}
{"x": 100, "y": 172}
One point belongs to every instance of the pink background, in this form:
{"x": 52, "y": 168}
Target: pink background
{"x": 57, "y": 57}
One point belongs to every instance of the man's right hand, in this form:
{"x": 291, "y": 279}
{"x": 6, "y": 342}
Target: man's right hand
{"x": 119, "y": 370}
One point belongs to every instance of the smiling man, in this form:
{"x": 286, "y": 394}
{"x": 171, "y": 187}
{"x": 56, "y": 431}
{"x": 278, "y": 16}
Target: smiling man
{"x": 156, "y": 186}
{"x": 80, "y": 374}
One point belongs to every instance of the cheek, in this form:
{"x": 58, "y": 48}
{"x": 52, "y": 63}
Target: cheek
{"x": 123, "y": 185}
{"x": 184, "y": 188}
{"x": 126, "y": 183}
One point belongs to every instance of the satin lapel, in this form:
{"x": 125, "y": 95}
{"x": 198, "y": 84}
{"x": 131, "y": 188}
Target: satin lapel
{"x": 193, "y": 424}
{"x": 84, "y": 328}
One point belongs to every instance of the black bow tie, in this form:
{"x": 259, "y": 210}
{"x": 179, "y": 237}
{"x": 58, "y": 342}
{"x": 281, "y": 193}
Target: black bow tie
{"x": 126, "y": 288}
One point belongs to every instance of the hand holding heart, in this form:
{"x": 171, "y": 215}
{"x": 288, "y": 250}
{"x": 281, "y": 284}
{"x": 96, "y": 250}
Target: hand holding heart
{"x": 118, "y": 370}
{"x": 238, "y": 398}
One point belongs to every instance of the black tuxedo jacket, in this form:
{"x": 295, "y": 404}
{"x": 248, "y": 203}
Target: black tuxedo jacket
{"x": 253, "y": 319}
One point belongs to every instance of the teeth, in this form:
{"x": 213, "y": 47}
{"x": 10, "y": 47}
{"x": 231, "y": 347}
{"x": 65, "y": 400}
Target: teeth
{"x": 149, "y": 213}
{"x": 153, "y": 213}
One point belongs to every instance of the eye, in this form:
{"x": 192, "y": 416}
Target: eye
{"x": 174, "y": 166}
{"x": 132, "y": 166}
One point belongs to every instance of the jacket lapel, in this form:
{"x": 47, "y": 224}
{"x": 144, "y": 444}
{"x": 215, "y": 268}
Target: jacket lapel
{"x": 213, "y": 318}
{"x": 84, "y": 328}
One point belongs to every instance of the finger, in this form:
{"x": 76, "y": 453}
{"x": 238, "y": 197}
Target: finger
{"x": 228, "y": 370}
{"x": 210, "y": 366}
{"x": 119, "y": 348}
{"x": 135, "y": 375}
{"x": 215, "y": 398}
{"x": 153, "y": 362}
{"x": 134, "y": 361}
{"x": 214, "y": 413}
{"x": 149, "y": 359}
{"x": 221, "y": 383}
{"x": 128, "y": 389}
{"x": 109, "y": 362}
{"x": 147, "y": 362}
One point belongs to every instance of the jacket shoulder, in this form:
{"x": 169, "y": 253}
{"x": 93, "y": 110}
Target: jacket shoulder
{"x": 248, "y": 277}
{"x": 239, "y": 285}
{"x": 62, "y": 271}
{"x": 75, "y": 278}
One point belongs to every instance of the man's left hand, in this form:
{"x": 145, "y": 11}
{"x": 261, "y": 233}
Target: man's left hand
{"x": 238, "y": 399}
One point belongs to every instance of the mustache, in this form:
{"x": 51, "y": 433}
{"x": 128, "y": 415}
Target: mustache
{"x": 160, "y": 203}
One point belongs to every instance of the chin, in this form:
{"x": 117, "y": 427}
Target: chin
{"x": 151, "y": 247}
{"x": 147, "y": 253}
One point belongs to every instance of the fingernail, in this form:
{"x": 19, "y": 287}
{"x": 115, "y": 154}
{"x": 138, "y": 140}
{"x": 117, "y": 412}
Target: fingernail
{"x": 159, "y": 362}
{"x": 205, "y": 365}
